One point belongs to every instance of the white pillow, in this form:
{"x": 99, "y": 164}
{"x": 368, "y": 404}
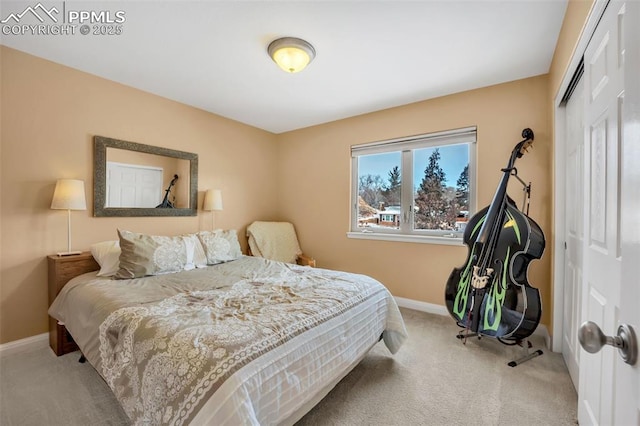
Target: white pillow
{"x": 220, "y": 246}
{"x": 107, "y": 254}
{"x": 196, "y": 257}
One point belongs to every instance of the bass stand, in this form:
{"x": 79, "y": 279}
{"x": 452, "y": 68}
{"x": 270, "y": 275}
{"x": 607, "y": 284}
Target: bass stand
{"x": 526, "y": 345}
{"x": 526, "y": 189}
{"x": 463, "y": 336}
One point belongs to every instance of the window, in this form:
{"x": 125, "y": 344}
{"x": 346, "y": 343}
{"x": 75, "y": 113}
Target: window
{"x": 419, "y": 188}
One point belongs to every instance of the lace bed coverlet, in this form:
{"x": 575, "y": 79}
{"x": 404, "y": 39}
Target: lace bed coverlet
{"x": 163, "y": 359}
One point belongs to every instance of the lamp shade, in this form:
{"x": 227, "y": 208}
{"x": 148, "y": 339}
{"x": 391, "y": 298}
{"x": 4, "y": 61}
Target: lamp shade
{"x": 291, "y": 54}
{"x": 212, "y": 200}
{"x": 69, "y": 195}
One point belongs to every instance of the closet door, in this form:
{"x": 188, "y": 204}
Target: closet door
{"x": 135, "y": 186}
{"x": 608, "y": 387}
{"x": 574, "y": 235}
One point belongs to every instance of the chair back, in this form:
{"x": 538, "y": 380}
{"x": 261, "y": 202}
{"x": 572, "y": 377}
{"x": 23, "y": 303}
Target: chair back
{"x": 274, "y": 240}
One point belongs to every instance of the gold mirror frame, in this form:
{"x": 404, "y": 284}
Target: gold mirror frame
{"x": 100, "y": 145}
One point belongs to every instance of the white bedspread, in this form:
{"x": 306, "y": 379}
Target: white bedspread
{"x": 276, "y": 387}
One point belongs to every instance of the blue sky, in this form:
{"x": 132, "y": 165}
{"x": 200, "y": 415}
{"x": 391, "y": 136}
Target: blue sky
{"x": 453, "y": 159}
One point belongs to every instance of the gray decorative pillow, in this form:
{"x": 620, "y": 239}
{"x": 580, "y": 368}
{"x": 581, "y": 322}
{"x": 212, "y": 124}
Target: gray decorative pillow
{"x": 150, "y": 255}
{"x": 220, "y": 246}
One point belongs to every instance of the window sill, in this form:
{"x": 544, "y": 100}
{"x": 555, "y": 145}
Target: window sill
{"x": 423, "y": 239}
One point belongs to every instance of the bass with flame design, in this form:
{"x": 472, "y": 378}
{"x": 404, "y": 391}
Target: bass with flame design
{"x": 490, "y": 294}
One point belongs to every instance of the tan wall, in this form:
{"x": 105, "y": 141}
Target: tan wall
{"x": 573, "y": 24}
{"x": 315, "y": 175}
{"x": 50, "y": 114}
{"x": 575, "y": 19}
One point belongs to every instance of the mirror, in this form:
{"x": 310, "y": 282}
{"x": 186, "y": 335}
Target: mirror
{"x": 133, "y": 179}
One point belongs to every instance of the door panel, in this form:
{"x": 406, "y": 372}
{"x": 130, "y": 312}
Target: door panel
{"x": 133, "y": 186}
{"x": 593, "y": 400}
{"x": 574, "y": 185}
{"x": 604, "y": 81}
{"x": 598, "y": 193}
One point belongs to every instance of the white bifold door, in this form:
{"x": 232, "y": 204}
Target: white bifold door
{"x": 130, "y": 185}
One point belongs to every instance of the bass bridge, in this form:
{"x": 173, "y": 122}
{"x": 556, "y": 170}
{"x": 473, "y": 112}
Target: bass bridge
{"x": 480, "y": 281}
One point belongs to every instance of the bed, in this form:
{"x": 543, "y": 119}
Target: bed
{"x": 249, "y": 341}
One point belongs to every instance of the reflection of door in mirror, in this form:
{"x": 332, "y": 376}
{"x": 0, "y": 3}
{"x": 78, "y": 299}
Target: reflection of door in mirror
{"x": 137, "y": 179}
{"x": 131, "y": 185}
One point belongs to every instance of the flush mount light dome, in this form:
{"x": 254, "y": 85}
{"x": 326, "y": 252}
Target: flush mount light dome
{"x": 291, "y": 54}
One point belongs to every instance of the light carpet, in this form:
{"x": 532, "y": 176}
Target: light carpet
{"x": 433, "y": 380}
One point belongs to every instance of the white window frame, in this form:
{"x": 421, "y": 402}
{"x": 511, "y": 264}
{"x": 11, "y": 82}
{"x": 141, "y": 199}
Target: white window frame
{"x": 406, "y": 146}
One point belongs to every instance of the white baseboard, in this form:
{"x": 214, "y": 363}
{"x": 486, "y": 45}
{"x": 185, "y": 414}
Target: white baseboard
{"x": 417, "y": 305}
{"x": 33, "y": 342}
{"x": 432, "y": 308}
{"x": 541, "y": 330}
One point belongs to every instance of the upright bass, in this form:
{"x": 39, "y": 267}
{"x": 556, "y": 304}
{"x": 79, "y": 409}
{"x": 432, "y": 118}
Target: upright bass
{"x": 490, "y": 294}
{"x": 166, "y": 204}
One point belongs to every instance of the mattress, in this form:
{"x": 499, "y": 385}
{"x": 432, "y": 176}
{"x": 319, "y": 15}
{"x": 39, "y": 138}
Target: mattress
{"x": 250, "y": 341}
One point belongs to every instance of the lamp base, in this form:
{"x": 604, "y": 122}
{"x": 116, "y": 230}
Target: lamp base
{"x": 69, "y": 253}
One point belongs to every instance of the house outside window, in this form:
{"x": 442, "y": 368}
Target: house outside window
{"x": 420, "y": 188}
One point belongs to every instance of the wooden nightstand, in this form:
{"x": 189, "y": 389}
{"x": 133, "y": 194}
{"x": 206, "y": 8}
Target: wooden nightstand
{"x": 61, "y": 270}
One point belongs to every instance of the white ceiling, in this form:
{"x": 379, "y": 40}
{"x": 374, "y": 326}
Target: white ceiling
{"x": 371, "y": 55}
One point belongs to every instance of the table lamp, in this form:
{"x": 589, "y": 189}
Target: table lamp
{"x": 69, "y": 195}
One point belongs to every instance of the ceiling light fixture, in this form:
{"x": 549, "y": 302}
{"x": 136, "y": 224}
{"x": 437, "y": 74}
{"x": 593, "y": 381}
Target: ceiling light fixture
{"x": 291, "y": 54}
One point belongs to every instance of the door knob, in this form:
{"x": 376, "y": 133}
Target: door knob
{"x": 593, "y": 339}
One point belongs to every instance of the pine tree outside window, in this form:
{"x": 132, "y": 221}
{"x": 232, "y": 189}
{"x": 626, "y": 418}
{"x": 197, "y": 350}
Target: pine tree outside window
{"x": 419, "y": 188}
